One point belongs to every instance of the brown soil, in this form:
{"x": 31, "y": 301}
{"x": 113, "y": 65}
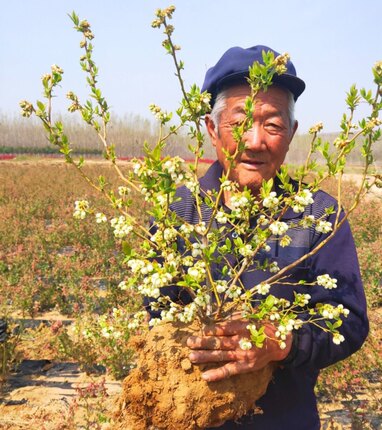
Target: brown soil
{"x": 166, "y": 391}
{"x": 44, "y": 395}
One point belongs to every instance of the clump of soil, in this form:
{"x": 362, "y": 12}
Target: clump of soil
{"x": 166, "y": 391}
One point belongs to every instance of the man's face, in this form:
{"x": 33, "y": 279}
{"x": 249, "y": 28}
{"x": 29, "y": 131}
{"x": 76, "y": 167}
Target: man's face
{"x": 266, "y": 143}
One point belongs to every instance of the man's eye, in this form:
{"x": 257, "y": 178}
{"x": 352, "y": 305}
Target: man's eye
{"x": 273, "y": 126}
{"x": 236, "y": 123}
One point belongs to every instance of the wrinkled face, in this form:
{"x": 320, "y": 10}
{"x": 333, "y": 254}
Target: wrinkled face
{"x": 266, "y": 143}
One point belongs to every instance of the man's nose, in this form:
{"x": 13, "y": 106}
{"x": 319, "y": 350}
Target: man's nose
{"x": 254, "y": 137}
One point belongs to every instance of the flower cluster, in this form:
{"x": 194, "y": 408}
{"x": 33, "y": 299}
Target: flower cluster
{"x": 327, "y": 282}
{"x": 121, "y": 226}
{"x": 100, "y": 218}
{"x": 221, "y": 217}
{"x": 198, "y": 271}
{"x": 234, "y": 291}
{"x": 81, "y": 209}
{"x": 324, "y": 226}
{"x": 123, "y": 190}
{"x": 333, "y": 312}
{"x": 174, "y": 167}
{"x": 301, "y": 200}
{"x": 271, "y": 201}
{"x": 245, "y": 344}
{"x": 263, "y": 288}
{"x": 316, "y": 128}
{"x": 193, "y": 185}
{"x": 278, "y": 228}
{"x": 307, "y": 221}
{"x": 159, "y": 114}
{"x": 26, "y": 108}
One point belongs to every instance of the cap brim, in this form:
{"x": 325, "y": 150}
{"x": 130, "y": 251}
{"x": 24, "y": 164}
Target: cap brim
{"x": 294, "y": 84}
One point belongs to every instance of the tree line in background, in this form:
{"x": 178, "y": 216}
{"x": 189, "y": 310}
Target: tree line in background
{"x": 128, "y": 132}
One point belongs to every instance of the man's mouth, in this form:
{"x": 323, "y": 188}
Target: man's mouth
{"x": 252, "y": 163}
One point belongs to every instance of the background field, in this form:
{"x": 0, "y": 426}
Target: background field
{"x": 19, "y": 135}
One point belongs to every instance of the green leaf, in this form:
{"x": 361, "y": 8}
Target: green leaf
{"x": 127, "y": 249}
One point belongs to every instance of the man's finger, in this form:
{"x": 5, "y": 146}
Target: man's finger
{"x": 229, "y": 369}
{"x": 218, "y": 356}
{"x": 212, "y": 356}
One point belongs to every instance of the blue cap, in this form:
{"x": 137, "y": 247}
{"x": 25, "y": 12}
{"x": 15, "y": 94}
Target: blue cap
{"x": 233, "y": 66}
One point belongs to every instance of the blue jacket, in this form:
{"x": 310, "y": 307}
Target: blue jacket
{"x": 290, "y": 403}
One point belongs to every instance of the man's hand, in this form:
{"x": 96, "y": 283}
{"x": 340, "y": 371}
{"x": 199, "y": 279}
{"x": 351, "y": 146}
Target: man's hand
{"x": 220, "y": 343}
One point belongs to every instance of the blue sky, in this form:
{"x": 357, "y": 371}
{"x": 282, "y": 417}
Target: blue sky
{"x": 333, "y": 44}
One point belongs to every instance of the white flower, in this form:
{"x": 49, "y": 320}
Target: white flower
{"x": 123, "y": 191}
{"x": 239, "y": 201}
{"x": 227, "y": 185}
{"x": 307, "y": 221}
{"x": 192, "y": 185}
{"x": 56, "y": 69}
{"x": 121, "y": 227}
{"x": 338, "y": 338}
{"x": 290, "y": 325}
{"x": 145, "y": 268}
{"x": 285, "y": 241}
{"x": 200, "y": 228}
{"x": 81, "y": 208}
{"x": 100, "y": 218}
{"x": 188, "y": 314}
{"x": 263, "y": 288}
{"x": 343, "y": 310}
{"x": 234, "y": 292}
{"x": 262, "y": 220}
{"x": 221, "y": 217}
{"x": 186, "y": 229}
{"x": 245, "y": 344}
{"x": 169, "y": 234}
{"x": 196, "y": 249}
{"x": 137, "y": 167}
{"x": 221, "y": 286}
{"x": 161, "y": 199}
{"x": 202, "y": 300}
{"x": 281, "y": 332}
{"x": 135, "y": 265}
{"x": 271, "y": 201}
{"x": 187, "y": 261}
{"x": 122, "y": 285}
{"x": 326, "y": 313}
{"x": 302, "y": 299}
{"x": 304, "y": 198}
{"x": 154, "y": 322}
{"x": 266, "y": 247}
{"x": 275, "y": 316}
{"x": 274, "y": 267}
{"x": 327, "y": 282}
{"x": 197, "y": 273}
{"x": 324, "y": 226}
{"x": 278, "y": 228}
{"x": 105, "y": 332}
{"x": 246, "y": 250}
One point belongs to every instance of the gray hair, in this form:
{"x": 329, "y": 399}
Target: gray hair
{"x": 220, "y": 105}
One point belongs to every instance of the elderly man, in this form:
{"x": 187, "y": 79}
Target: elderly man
{"x": 289, "y": 402}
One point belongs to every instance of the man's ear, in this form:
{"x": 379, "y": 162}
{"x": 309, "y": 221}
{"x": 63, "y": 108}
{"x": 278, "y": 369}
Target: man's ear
{"x": 294, "y": 129}
{"x": 211, "y": 129}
